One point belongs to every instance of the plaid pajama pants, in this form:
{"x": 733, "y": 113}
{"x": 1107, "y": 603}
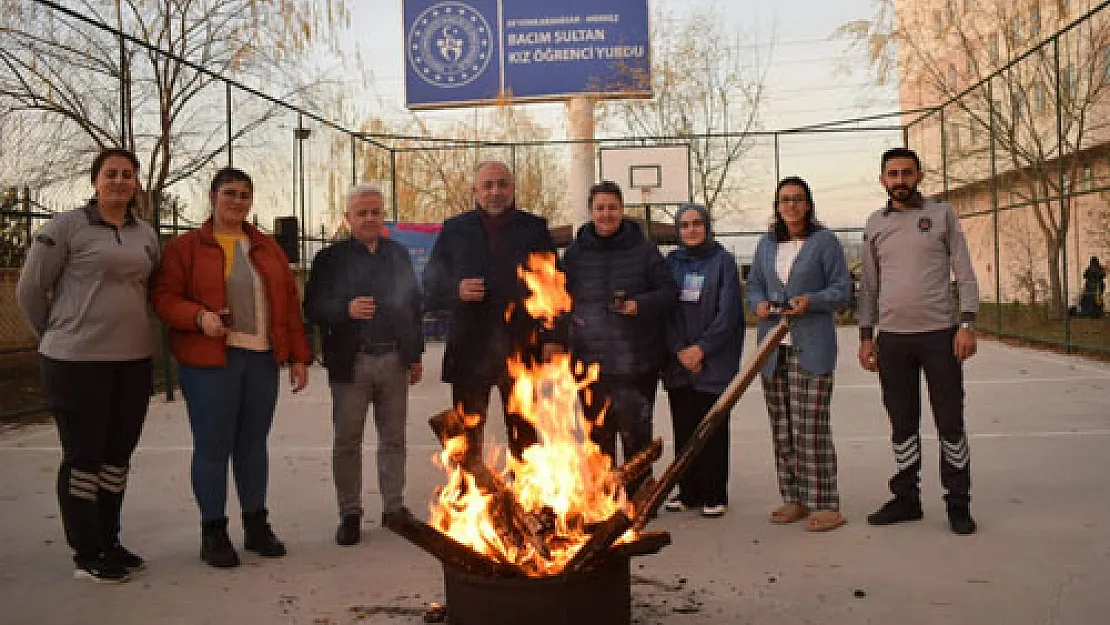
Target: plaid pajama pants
{"x": 798, "y": 405}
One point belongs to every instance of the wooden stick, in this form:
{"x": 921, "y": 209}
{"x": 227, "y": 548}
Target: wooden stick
{"x": 646, "y": 544}
{"x": 447, "y": 549}
{"x": 648, "y": 500}
{"x": 638, "y": 464}
{"x": 448, "y": 424}
{"x": 606, "y": 533}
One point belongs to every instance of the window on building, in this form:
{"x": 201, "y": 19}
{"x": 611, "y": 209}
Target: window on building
{"x": 1020, "y": 105}
{"x": 1035, "y": 20}
{"x": 969, "y": 6}
{"x": 953, "y": 77}
{"x": 1064, "y": 6}
{"x": 953, "y": 137}
{"x": 1106, "y": 63}
{"x": 1040, "y": 98}
{"x": 992, "y": 49}
{"x": 1018, "y": 30}
{"x": 1088, "y": 178}
{"x": 938, "y": 21}
{"x": 1070, "y": 79}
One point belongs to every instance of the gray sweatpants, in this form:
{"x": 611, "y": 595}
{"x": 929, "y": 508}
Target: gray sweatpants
{"x": 382, "y": 381}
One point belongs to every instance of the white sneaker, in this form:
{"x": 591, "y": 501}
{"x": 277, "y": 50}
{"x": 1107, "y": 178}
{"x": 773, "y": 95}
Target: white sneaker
{"x": 674, "y": 504}
{"x": 713, "y": 511}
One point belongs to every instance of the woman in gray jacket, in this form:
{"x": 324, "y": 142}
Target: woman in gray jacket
{"x": 799, "y": 271}
{"x": 85, "y": 291}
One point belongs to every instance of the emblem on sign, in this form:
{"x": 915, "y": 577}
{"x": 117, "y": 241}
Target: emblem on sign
{"x": 449, "y": 44}
{"x": 924, "y": 224}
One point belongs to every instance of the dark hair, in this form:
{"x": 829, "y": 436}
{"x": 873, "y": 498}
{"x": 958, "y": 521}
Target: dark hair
{"x": 107, "y": 153}
{"x": 230, "y": 174}
{"x": 605, "y": 186}
{"x": 893, "y": 153}
{"x": 778, "y": 227}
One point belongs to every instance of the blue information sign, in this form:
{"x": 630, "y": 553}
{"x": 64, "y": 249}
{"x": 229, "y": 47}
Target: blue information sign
{"x": 460, "y": 52}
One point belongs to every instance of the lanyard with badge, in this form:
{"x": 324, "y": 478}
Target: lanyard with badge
{"x": 692, "y": 284}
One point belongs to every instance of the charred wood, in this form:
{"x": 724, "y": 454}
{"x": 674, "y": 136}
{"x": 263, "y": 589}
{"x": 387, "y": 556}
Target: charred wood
{"x": 639, "y": 464}
{"x": 607, "y": 532}
{"x": 645, "y": 544}
{"x": 447, "y": 549}
{"x": 528, "y": 527}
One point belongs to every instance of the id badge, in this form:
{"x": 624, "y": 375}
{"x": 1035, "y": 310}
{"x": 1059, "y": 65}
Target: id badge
{"x": 691, "y": 287}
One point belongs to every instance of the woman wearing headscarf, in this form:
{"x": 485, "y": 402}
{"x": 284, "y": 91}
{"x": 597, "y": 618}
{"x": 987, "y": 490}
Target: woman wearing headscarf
{"x": 799, "y": 271}
{"x": 622, "y": 292}
{"x": 705, "y": 335}
{"x": 84, "y": 291}
{"x": 226, "y": 292}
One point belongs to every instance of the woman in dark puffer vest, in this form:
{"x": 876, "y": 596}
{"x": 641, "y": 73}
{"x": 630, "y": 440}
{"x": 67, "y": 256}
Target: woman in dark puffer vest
{"x": 622, "y": 291}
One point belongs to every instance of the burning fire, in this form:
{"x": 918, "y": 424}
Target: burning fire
{"x": 534, "y": 513}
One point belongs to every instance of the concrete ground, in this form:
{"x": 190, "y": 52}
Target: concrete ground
{"x": 1040, "y": 434}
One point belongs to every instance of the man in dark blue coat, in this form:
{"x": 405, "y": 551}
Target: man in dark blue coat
{"x": 472, "y": 274}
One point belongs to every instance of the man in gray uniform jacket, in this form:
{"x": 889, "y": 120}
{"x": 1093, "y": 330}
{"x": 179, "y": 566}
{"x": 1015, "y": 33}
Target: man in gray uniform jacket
{"x": 912, "y": 248}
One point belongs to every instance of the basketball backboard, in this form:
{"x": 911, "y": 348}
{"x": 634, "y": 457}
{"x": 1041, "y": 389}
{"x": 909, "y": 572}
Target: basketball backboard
{"x": 657, "y": 174}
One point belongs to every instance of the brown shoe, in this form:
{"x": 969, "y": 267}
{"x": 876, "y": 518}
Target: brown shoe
{"x": 790, "y": 512}
{"x": 825, "y": 520}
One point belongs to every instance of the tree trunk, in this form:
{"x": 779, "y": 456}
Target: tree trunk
{"x": 1057, "y": 303}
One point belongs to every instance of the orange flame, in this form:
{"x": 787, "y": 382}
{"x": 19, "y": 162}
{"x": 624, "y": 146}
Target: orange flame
{"x": 563, "y": 481}
{"x": 548, "y": 288}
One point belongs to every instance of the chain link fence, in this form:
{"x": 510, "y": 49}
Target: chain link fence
{"x": 1024, "y": 157}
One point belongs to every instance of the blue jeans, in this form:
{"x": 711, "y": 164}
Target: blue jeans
{"x": 231, "y": 409}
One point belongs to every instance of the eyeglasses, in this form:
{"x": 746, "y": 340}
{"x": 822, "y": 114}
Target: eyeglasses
{"x": 232, "y": 194}
{"x": 793, "y": 200}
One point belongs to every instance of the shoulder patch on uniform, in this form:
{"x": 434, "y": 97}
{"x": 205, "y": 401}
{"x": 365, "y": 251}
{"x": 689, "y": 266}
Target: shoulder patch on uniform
{"x": 45, "y": 239}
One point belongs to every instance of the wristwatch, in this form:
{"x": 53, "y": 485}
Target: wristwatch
{"x": 967, "y": 325}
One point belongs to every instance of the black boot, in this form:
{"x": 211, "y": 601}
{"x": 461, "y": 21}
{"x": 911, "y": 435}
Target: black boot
{"x": 215, "y": 544}
{"x": 259, "y": 537}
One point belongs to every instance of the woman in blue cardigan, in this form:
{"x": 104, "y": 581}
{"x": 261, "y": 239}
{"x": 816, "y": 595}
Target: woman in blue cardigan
{"x": 800, "y": 270}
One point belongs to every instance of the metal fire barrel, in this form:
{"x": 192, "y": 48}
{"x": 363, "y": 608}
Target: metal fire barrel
{"x": 601, "y": 596}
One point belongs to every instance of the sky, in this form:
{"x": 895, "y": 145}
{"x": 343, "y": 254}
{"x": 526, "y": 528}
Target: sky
{"x": 807, "y": 83}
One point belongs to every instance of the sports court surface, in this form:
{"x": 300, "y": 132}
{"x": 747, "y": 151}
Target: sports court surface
{"x": 1040, "y": 439}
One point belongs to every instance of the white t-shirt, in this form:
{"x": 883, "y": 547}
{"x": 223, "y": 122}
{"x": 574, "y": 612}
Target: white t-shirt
{"x": 785, "y": 256}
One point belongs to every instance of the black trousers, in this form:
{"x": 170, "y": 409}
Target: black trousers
{"x": 902, "y": 358}
{"x": 473, "y": 398}
{"x": 705, "y": 483}
{"x": 628, "y": 402}
{"x": 99, "y": 409}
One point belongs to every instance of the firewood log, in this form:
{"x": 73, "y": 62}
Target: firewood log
{"x": 448, "y": 424}
{"x": 638, "y": 464}
{"x": 447, "y": 549}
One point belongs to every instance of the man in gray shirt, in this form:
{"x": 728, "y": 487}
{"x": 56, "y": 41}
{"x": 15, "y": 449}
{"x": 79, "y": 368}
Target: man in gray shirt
{"x": 912, "y": 249}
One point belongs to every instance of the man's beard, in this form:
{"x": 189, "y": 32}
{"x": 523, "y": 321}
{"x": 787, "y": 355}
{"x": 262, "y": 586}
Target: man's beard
{"x": 900, "y": 192}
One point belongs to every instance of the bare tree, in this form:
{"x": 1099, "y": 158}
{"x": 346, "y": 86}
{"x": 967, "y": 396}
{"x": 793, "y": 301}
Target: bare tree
{"x": 706, "y": 80}
{"x": 1029, "y": 103}
{"x": 434, "y": 177}
{"x": 85, "y": 88}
